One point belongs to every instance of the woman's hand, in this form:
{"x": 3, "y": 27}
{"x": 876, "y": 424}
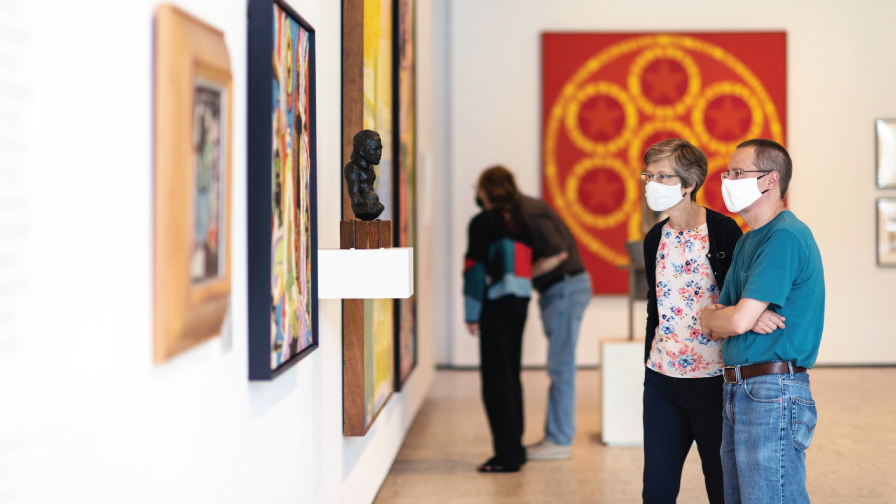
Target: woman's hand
{"x": 704, "y": 328}
{"x": 768, "y": 323}
{"x": 546, "y": 264}
{"x": 473, "y": 328}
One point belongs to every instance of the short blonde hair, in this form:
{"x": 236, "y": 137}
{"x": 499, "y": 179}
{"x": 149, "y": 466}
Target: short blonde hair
{"x": 688, "y": 161}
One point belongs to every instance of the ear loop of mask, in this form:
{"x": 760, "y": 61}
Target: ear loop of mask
{"x": 767, "y": 190}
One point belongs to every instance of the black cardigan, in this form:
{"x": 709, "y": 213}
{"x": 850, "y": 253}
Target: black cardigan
{"x": 723, "y": 235}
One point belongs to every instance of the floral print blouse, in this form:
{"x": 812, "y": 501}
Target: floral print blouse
{"x": 685, "y": 284}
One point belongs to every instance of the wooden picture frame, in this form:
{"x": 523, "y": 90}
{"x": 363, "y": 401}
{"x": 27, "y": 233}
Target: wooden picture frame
{"x": 282, "y": 189}
{"x": 885, "y": 133}
{"x": 367, "y": 325}
{"x": 193, "y": 117}
{"x": 886, "y": 232}
{"x": 405, "y": 188}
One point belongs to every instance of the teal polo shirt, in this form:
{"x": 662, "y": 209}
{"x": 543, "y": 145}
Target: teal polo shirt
{"x": 778, "y": 263}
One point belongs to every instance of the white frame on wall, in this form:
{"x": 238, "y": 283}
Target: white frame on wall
{"x": 885, "y": 130}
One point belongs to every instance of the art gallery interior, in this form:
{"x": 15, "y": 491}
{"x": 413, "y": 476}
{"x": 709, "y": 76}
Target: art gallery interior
{"x": 89, "y": 411}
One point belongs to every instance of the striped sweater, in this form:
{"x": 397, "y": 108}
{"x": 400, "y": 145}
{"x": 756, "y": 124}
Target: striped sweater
{"x": 498, "y": 262}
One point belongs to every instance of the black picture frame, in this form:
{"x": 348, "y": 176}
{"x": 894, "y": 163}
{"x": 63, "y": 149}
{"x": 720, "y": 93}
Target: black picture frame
{"x": 399, "y": 116}
{"x": 259, "y": 187}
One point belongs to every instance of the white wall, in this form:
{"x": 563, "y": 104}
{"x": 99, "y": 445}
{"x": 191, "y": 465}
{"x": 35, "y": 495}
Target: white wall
{"x": 85, "y": 416}
{"x": 840, "y": 77}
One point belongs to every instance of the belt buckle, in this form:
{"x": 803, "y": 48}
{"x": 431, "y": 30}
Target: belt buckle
{"x": 737, "y": 378}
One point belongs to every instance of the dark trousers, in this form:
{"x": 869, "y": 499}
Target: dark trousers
{"x": 500, "y": 352}
{"x": 677, "y": 412}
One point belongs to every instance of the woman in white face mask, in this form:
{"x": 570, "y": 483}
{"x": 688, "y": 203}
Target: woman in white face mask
{"x": 687, "y": 257}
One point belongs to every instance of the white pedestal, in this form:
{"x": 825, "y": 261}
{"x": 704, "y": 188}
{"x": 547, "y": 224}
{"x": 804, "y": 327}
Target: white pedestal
{"x": 622, "y": 391}
{"x": 365, "y": 273}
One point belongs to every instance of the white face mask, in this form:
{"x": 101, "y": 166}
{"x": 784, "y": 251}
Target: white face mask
{"x": 663, "y": 197}
{"x": 740, "y": 194}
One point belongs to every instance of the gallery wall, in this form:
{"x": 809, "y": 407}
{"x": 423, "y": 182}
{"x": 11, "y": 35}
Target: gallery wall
{"x": 87, "y": 416}
{"x": 839, "y": 80}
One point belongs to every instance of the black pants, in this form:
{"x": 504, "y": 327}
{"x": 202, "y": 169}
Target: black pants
{"x": 677, "y": 412}
{"x": 500, "y": 352}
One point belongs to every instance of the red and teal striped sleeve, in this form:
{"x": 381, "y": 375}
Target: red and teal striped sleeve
{"x": 474, "y": 268}
{"x": 515, "y": 260}
{"x": 474, "y": 289}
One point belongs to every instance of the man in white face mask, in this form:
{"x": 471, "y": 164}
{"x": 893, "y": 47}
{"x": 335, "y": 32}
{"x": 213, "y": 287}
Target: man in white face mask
{"x": 776, "y": 276}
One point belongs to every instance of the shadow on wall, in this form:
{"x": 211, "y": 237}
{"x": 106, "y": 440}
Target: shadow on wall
{"x": 265, "y": 395}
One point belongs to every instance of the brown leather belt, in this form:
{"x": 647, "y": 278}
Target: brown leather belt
{"x": 737, "y": 374}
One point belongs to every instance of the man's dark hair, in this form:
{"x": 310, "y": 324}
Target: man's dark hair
{"x": 769, "y": 155}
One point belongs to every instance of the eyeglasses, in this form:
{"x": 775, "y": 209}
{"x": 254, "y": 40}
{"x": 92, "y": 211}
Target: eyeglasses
{"x": 739, "y": 174}
{"x": 661, "y": 178}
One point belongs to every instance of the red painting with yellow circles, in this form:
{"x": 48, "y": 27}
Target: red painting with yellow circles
{"x": 608, "y": 97}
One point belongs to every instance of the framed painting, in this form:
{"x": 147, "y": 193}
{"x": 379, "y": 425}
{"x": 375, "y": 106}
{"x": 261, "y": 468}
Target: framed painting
{"x": 607, "y": 97}
{"x": 367, "y": 94}
{"x": 405, "y": 188}
{"x": 282, "y": 190}
{"x": 886, "y": 153}
{"x": 886, "y": 232}
{"x": 192, "y": 172}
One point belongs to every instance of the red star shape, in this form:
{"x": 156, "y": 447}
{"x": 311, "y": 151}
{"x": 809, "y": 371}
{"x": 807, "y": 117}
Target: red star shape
{"x": 602, "y": 192}
{"x": 601, "y": 118}
{"x": 728, "y": 118}
{"x": 664, "y": 82}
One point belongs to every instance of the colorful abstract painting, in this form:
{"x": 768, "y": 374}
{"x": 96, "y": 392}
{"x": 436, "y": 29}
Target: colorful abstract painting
{"x": 608, "y": 97}
{"x": 379, "y": 328}
{"x": 291, "y": 226}
{"x": 406, "y": 183}
{"x": 206, "y": 248}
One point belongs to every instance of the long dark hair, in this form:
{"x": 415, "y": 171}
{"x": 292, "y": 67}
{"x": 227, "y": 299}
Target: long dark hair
{"x": 502, "y": 192}
{"x": 499, "y": 186}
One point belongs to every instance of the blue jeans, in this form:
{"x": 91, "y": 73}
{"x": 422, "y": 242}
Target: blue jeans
{"x": 767, "y": 425}
{"x": 562, "y": 307}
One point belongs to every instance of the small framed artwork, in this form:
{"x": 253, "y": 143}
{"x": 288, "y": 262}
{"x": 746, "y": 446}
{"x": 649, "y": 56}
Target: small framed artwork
{"x": 282, "y": 190}
{"x": 886, "y": 232}
{"x": 886, "y": 153}
{"x": 192, "y": 172}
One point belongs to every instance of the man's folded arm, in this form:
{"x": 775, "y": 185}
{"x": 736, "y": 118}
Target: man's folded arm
{"x": 724, "y": 321}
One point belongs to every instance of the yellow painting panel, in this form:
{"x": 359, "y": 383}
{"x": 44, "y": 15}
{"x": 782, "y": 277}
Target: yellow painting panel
{"x": 378, "y": 90}
{"x": 378, "y": 117}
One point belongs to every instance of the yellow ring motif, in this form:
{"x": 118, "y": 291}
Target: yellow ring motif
{"x": 715, "y": 165}
{"x": 636, "y": 147}
{"x": 636, "y": 72}
{"x": 596, "y": 246}
{"x": 588, "y": 217}
{"x": 555, "y": 121}
{"x": 726, "y": 88}
{"x": 601, "y": 88}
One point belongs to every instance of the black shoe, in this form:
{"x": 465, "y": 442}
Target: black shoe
{"x": 493, "y": 465}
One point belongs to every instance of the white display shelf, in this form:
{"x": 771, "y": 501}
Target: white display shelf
{"x": 365, "y": 273}
{"x": 622, "y": 389}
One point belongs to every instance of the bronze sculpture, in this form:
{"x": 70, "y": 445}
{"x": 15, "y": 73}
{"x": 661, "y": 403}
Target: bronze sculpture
{"x": 360, "y": 174}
